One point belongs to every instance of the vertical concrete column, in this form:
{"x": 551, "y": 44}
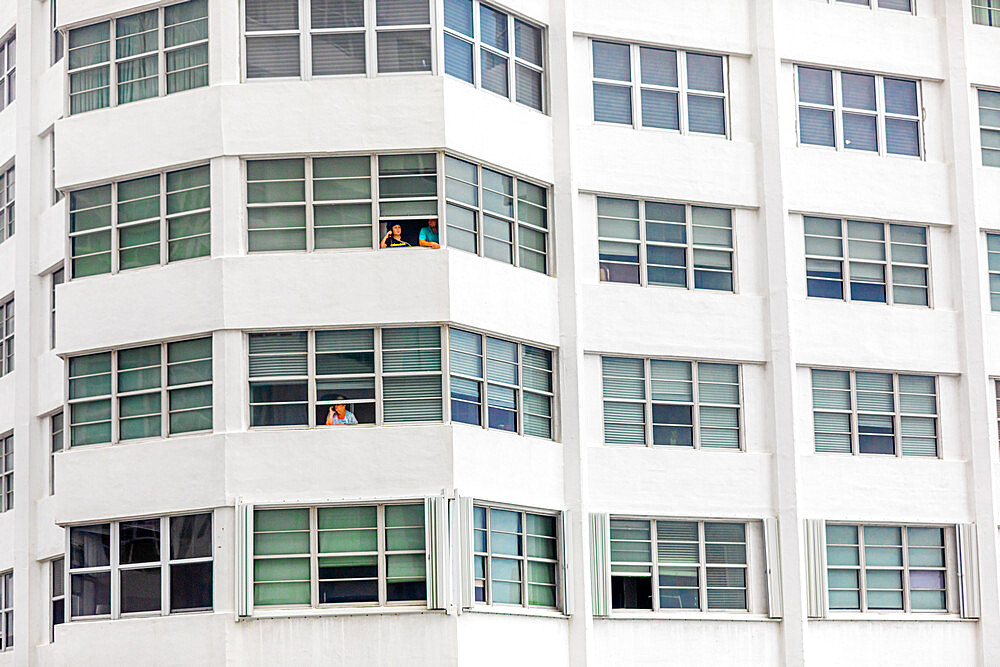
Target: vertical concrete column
{"x": 781, "y": 356}
{"x": 973, "y": 303}
{"x": 562, "y": 75}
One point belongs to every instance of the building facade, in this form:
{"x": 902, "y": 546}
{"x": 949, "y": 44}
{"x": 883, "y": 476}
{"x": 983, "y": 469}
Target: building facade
{"x": 702, "y": 371}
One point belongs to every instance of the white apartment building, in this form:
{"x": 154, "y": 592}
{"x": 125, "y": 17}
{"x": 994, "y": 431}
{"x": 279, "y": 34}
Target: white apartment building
{"x": 703, "y": 371}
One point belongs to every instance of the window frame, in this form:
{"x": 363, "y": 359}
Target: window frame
{"x": 695, "y": 403}
{"x": 57, "y": 443}
{"x": 56, "y": 599}
{"x": 689, "y": 246}
{"x": 750, "y": 545}
{"x": 315, "y": 606}
{"x": 888, "y": 263}
{"x": 897, "y": 414}
{"x": 984, "y": 150}
{"x": 114, "y": 61}
{"x": 8, "y": 68}
{"x": 58, "y": 45}
{"x": 7, "y": 201}
{"x": 524, "y": 560}
{"x": 880, "y": 114}
{"x": 115, "y": 568}
{"x": 164, "y": 218}
{"x": 163, "y": 391}
{"x": 949, "y": 569}
{"x": 441, "y": 200}
{"x": 875, "y": 4}
{"x": 6, "y": 471}
{"x": 57, "y": 276}
{"x": 6, "y": 610}
{"x": 990, "y": 273}
{"x": 7, "y": 335}
{"x": 513, "y": 60}
{"x": 635, "y": 85}
{"x": 370, "y": 30}
{"x": 989, "y": 7}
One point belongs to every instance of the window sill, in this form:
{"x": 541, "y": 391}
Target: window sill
{"x": 355, "y": 611}
{"x": 897, "y": 616}
{"x": 688, "y": 616}
{"x": 515, "y": 611}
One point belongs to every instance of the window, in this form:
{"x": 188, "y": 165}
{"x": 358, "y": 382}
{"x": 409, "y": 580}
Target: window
{"x": 289, "y": 38}
{"x": 887, "y": 263}
{"x": 6, "y": 203}
{"x": 7, "y": 610}
{"x": 57, "y": 38}
{"x": 7, "y": 472}
{"x": 296, "y": 377}
{"x": 993, "y": 259}
{"x": 370, "y": 555}
{"x": 516, "y": 557}
{"x": 56, "y": 428}
{"x": 860, "y": 412}
{"x": 8, "y": 55}
{"x": 668, "y": 402}
{"x": 156, "y": 52}
{"x": 57, "y": 278}
{"x": 144, "y": 221}
{"x": 6, "y": 336}
{"x": 901, "y": 5}
{"x": 659, "y": 243}
{"x": 989, "y": 124}
{"x": 900, "y": 568}
{"x": 141, "y": 392}
{"x": 856, "y": 111}
{"x": 692, "y": 565}
{"x": 57, "y": 595}
{"x": 490, "y": 48}
{"x": 496, "y": 215}
{"x": 160, "y": 565}
{"x": 986, "y": 12}
{"x": 667, "y": 89}
{"x": 500, "y": 384}
{"x": 56, "y": 193}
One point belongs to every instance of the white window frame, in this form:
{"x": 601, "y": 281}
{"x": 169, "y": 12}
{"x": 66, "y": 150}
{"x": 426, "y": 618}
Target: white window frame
{"x": 56, "y": 277}
{"x": 989, "y": 6}
{"x": 383, "y": 604}
{"x": 7, "y": 187}
{"x": 57, "y": 443}
{"x": 511, "y": 56}
{"x": 897, "y": 413}
{"x": 682, "y": 90}
{"x": 8, "y": 69}
{"x": 113, "y": 61}
{"x": 992, "y": 272}
{"x": 6, "y": 335}
{"x": 164, "y": 391}
{"x": 695, "y": 403}
{"x": 164, "y": 217}
{"x": 750, "y": 528}
{"x": 888, "y": 263}
{"x": 873, "y": 5}
{"x": 949, "y": 569}
{"x": 58, "y": 45}
{"x": 6, "y": 472}
{"x": 56, "y": 574}
{"x": 115, "y": 568}
{"x": 305, "y": 33}
{"x": 689, "y": 246}
{"x": 524, "y": 559}
{"x": 6, "y": 608}
{"x": 879, "y": 113}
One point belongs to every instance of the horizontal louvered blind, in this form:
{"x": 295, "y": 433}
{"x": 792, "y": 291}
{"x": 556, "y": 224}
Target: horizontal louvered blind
{"x": 623, "y": 378}
{"x": 282, "y": 353}
{"x": 345, "y": 340}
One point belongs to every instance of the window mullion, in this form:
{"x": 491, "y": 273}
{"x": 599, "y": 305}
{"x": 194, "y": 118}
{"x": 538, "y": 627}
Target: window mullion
{"x": 481, "y": 222}
{"x": 305, "y": 41}
{"x": 905, "y": 574}
{"x": 636, "y": 85}
{"x": 164, "y": 226}
{"x": 511, "y": 67}
{"x": 887, "y": 251}
{"x": 654, "y": 573}
{"x": 161, "y": 55}
{"x": 114, "y": 228}
{"x": 115, "y": 430}
{"x": 383, "y": 565}
{"x": 880, "y": 114}
{"x": 488, "y": 559}
{"x": 643, "y": 280}
{"x": 373, "y": 171}
{"x": 695, "y": 401}
{"x": 112, "y": 63}
{"x": 164, "y": 394}
{"x": 838, "y": 111}
{"x": 310, "y": 218}
{"x": 523, "y": 539}
{"x": 862, "y": 577}
{"x": 702, "y": 568}
{"x": 311, "y": 375}
{"x": 164, "y": 566}
{"x": 445, "y": 371}
{"x": 682, "y": 91}
{"x": 647, "y": 403}
{"x": 313, "y": 557}
{"x": 689, "y": 249}
{"x": 855, "y": 425}
{"x": 379, "y": 403}
{"x": 897, "y": 417}
{"x": 519, "y": 413}
{"x": 115, "y": 574}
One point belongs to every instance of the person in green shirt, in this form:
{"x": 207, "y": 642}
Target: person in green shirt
{"x": 429, "y": 235}
{"x": 394, "y": 237}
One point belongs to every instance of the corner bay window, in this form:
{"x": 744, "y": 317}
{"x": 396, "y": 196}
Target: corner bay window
{"x": 160, "y": 565}
{"x": 886, "y": 568}
{"x": 663, "y": 564}
{"x": 670, "y": 402}
{"x": 886, "y": 263}
{"x": 856, "y": 111}
{"x": 660, "y": 88}
{"x": 516, "y": 557}
{"x": 860, "y": 412}
{"x": 660, "y": 243}
{"x": 339, "y": 202}
{"x": 352, "y": 554}
{"x": 141, "y": 392}
{"x": 140, "y": 222}
{"x": 490, "y": 48}
{"x": 289, "y": 38}
{"x": 130, "y": 58}
{"x": 394, "y": 375}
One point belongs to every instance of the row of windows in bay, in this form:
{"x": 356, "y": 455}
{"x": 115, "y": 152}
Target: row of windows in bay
{"x": 313, "y": 204}
{"x": 165, "y": 50}
{"x": 382, "y": 375}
